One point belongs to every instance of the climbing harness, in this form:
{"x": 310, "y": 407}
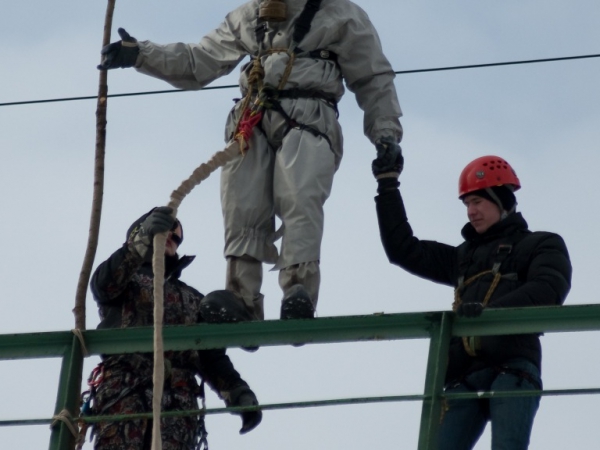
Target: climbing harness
{"x": 273, "y": 103}
{"x": 266, "y": 97}
{"x": 303, "y": 24}
{"x": 88, "y": 403}
{"x": 89, "y": 406}
{"x": 473, "y": 343}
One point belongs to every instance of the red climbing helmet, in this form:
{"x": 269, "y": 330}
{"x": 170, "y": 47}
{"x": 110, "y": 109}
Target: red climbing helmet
{"x": 487, "y": 172}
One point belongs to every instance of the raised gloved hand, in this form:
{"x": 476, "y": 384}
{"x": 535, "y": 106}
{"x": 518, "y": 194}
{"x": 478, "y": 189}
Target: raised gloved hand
{"x": 120, "y": 54}
{"x": 159, "y": 220}
{"x": 470, "y": 310}
{"x": 243, "y": 396}
{"x": 389, "y": 162}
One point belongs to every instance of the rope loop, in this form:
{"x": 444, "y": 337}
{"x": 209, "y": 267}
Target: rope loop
{"x": 65, "y": 417}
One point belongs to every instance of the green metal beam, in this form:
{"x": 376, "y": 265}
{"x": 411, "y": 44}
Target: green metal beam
{"x": 438, "y": 326}
{"x": 320, "y": 403}
{"x": 268, "y": 333}
{"x": 434, "y": 382}
{"x": 530, "y": 320}
{"x": 323, "y": 330}
{"x": 265, "y": 333}
{"x": 35, "y": 345}
{"x": 69, "y": 389}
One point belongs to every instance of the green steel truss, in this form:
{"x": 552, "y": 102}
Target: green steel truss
{"x": 438, "y": 327}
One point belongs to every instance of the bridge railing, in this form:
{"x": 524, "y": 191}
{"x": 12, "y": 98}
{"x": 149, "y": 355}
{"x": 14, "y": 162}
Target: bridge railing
{"x": 438, "y": 327}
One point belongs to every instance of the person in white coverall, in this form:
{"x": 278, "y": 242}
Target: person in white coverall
{"x": 295, "y": 79}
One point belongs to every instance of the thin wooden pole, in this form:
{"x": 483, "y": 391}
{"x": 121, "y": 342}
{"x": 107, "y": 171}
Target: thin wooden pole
{"x": 98, "y": 193}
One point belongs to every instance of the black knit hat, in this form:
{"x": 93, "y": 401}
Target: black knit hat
{"x": 503, "y": 193}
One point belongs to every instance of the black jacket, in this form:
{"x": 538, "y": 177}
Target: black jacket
{"x": 123, "y": 288}
{"x": 535, "y": 268}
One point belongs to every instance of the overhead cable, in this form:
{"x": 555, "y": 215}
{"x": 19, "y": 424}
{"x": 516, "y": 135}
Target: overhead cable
{"x": 230, "y": 86}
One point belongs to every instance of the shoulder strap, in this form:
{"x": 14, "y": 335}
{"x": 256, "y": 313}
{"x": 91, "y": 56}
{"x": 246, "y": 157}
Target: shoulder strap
{"x": 503, "y": 250}
{"x": 301, "y": 27}
{"x": 304, "y": 21}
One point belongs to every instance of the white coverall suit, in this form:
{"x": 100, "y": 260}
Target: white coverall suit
{"x": 286, "y": 172}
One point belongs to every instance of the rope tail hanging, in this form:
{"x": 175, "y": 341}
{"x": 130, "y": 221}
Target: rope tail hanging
{"x": 158, "y": 266}
{"x": 92, "y": 245}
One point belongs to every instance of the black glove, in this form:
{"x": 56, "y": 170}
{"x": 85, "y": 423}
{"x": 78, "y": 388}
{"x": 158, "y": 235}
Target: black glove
{"x": 243, "y": 396}
{"x": 250, "y": 419}
{"x": 389, "y": 162}
{"x": 121, "y": 54}
{"x": 470, "y": 310}
{"x": 159, "y": 220}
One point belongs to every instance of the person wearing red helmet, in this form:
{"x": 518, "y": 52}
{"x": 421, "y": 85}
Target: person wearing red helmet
{"x": 500, "y": 264}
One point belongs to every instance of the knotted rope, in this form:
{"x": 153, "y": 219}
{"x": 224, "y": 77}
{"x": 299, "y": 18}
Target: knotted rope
{"x": 79, "y": 335}
{"x": 251, "y": 115}
{"x": 202, "y": 172}
{"x": 65, "y": 417}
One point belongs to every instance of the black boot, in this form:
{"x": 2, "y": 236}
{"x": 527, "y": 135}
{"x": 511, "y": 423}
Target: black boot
{"x": 297, "y": 304}
{"x": 225, "y": 307}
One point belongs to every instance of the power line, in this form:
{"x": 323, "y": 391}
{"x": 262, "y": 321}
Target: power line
{"x": 509, "y": 63}
{"x": 130, "y": 94}
{"x": 400, "y": 72}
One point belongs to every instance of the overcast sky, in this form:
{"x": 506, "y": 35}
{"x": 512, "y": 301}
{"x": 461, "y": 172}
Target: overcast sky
{"x": 543, "y": 118}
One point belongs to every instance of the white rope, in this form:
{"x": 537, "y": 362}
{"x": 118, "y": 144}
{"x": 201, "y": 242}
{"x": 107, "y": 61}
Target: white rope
{"x": 65, "y": 417}
{"x": 77, "y": 332}
{"x": 202, "y": 172}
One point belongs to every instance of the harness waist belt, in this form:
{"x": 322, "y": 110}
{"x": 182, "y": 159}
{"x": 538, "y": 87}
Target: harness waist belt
{"x": 296, "y": 93}
{"x": 319, "y": 53}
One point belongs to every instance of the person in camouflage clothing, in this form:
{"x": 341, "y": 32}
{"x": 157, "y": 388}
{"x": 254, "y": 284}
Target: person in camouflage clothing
{"x": 123, "y": 288}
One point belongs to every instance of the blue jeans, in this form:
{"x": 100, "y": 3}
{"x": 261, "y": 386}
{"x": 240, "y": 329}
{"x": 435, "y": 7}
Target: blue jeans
{"x": 511, "y": 417}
